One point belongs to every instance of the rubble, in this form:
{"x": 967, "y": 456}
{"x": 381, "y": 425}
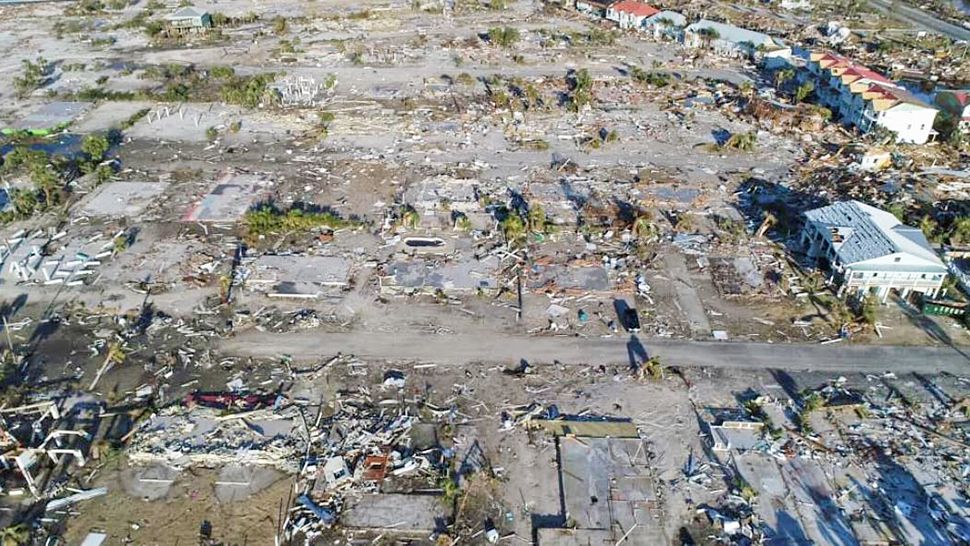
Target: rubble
{"x": 200, "y": 227}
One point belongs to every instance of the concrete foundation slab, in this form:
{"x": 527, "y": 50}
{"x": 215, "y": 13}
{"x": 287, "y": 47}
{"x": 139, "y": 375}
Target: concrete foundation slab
{"x": 122, "y": 198}
{"x": 407, "y": 513}
{"x": 228, "y": 198}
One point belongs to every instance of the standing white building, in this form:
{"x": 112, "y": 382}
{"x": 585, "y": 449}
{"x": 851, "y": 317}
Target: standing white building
{"x": 866, "y": 99}
{"x": 868, "y": 250}
{"x": 630, "y": 14}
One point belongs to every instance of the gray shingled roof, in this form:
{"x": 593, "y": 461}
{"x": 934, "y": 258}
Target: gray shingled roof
{"x": 870, "y": 233}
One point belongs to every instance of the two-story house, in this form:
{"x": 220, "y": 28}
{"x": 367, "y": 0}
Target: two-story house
{"x": 629, "y": 14}
{"x": 867, "y": 250}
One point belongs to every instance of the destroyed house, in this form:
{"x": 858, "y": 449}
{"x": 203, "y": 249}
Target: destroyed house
{"x": 188, "y": 19}
{"x": 596, "y": 8}
{"x": 630, "y": 13}
{"x": 865, "y": 99}
{"x": 415, "y": 276}
{"x": 443, "y": 194}
{"x": 868, "y": 250}
{"x": 736, "y": 435}
{"x": 607, "y": 490}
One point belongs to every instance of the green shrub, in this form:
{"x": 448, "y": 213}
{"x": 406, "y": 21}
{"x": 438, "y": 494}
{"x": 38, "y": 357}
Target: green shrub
{"x": 248, "y": 91}
{"x": 267, "y": 218}
{"x": 503, "y": 36}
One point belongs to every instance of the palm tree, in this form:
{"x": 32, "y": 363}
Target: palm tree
{"x": 782, "y": 76}
{"x": 960, "y": 234}
{"x": 410, "y": 218}
{"x": 24, "y": 202}
{"x": 685, "y": 223}
{"x": 537, "y": 219}
{"x": 929, "y": 227}
{"x": 119, "y": 244}
{"x": 115, "y": 355}
{"x": 652, "y": 369}
{"x": 664, "y": 24}
{"x": 746, "y": 88}
{"x": 47, "y": 182}
{"x": 513, "y": 228}
{"x": 643, "y": 226}
{"x": 225, "y": 286}
{"x": 14, "y": 535}
{"x": 744, "y": 142}
{"x": 462, "y": 222}
{"x": 708, "y": 36}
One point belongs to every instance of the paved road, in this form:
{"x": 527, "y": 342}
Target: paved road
{"x": 506, "y": 349}
{"x": 920, "y": 19}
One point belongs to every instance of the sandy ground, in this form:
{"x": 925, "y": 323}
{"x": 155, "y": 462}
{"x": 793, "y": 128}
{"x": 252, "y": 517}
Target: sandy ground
{"x": 176, "y": 518}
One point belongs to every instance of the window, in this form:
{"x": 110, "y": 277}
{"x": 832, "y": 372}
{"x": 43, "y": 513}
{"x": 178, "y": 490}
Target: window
{"x": 857, "y": 275}
{"x": 875, "y": 275}
{"x": 896, "y": 259}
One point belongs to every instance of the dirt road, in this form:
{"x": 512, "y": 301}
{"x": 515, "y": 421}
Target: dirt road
{"x": 495, "y": 347}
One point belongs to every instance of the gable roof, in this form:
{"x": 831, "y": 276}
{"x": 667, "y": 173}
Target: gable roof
{"x": 859, "y": 232}
{"x": 635, "y": 8}
{"x": 677, "y": 19}
{"x": 849, "y": 71}
{"x": 731, "y": 33}
{"x": 885, "y": 97}
{"x": 873, "y": 86}
{"x": 188, "y": 12}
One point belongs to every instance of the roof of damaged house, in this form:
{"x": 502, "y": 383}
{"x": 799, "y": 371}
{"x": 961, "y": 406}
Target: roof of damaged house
{"x": 188, "y": 12}
{"x": 635, "y": 8}
{"x": 849, "y": 70}
{"x": 731, "y": 33}
{"x": 676, "y": 19}
{"x": 885, "y": 97}
{"x": 873, "y": 86}
{"x": 859, "y": 233}
{"x": 598, "y": 4}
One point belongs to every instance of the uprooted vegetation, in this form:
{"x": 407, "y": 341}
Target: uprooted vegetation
{"x": 34, "y": 76}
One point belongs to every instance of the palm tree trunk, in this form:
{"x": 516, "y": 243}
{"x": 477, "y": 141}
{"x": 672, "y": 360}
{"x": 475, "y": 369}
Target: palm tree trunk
{"x": 101, "y": 371}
